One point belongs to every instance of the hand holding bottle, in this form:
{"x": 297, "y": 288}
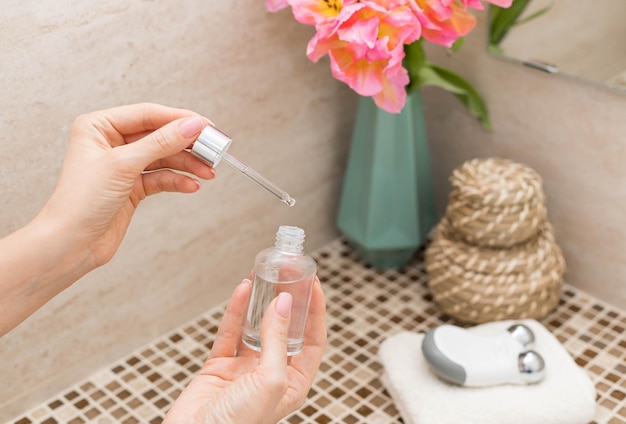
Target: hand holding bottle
{"x": 240, "y": 385}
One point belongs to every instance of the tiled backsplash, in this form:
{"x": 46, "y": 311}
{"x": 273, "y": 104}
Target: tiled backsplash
{"x": 365, "y": 305}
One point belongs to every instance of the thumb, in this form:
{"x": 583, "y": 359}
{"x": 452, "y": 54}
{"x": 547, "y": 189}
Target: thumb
{"x": 274, "y": 334}
{"x": 167, "y": 140}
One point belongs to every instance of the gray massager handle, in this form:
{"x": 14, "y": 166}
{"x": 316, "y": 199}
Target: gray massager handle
{"x": 440, "y": 363}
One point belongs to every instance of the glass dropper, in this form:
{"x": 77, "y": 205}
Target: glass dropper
{"x": 282, "y": 195}
{"x": 212, "y": 146}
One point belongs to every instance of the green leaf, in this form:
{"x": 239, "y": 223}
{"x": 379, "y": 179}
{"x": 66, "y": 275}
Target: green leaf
{"x": 494, "y": 11}
{"x": 496, "y": 50}
{"x": 503, "y": 19}
{"x": 422, "y": 72}
{"x": 534, "y": 15}
{"x": 456, "y": 46}
{"x": 440, "y": 77}
{"x": 414, "y": 60}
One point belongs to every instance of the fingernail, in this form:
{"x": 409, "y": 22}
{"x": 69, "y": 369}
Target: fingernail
{"x": 191, "y": 126}
{"x": 283, "y": 305}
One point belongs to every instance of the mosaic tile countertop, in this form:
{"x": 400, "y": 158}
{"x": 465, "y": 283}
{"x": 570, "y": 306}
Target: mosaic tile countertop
{"x": 365, "y": 305}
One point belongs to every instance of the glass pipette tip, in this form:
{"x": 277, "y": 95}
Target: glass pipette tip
{"x": 282, "y": 195}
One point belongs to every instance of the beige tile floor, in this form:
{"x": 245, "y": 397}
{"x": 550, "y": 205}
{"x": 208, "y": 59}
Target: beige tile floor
{"x": 365, "y": 305}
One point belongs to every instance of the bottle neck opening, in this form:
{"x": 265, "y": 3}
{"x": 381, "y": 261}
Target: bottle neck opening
{"x": 290, "y": 239}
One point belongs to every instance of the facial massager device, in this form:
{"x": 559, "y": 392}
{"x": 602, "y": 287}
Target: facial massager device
{"x": 468, "y": 358}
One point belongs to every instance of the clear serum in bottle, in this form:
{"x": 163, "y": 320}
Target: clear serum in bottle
{"x": 285, "y": 267}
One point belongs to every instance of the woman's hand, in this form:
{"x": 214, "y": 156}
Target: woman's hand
{"x": 239, "y": 385}
{"x": 115, "y": 159}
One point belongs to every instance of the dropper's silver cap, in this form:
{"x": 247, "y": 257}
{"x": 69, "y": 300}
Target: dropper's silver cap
{"x": 211, "y": 145}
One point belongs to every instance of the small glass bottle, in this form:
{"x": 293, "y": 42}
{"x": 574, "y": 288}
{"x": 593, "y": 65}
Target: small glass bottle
{"x": 285, "y": 267}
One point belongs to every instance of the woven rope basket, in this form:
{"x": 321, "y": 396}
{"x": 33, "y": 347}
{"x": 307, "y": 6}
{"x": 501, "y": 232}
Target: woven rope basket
{"x": 480, "y": 284}
{"x": 493, "y": 255}
{"x": 496, "y": 202}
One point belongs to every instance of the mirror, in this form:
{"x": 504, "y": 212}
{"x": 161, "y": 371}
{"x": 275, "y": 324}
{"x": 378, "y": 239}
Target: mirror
{"x": 575, "y": 37}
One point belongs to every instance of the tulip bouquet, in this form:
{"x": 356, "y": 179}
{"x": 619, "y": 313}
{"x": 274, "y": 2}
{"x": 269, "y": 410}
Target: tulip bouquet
{"x": 374, "y": 46}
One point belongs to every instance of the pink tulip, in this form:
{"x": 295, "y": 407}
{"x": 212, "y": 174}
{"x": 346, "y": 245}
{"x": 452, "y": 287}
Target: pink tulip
{"x": 377, "y": 78}
{"x": 365, "y": 39}
{"x": 501, "y": 3}
{"x": 314, "y": 12}
{"x": 393, "y": 95}
{"x": 276, "y": 5}
{"x": 445, "y": 21}
{"x": 365, "y": 43}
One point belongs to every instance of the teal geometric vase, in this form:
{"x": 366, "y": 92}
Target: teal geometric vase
{"x": 387, "y": 208}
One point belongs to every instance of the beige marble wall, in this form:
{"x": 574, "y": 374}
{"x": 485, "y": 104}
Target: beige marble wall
{"x": 572, "y": 132}
{"x": 231, "y": 61}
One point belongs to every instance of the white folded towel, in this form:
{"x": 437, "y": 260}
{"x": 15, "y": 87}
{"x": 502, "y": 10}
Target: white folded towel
{"x": 566, "y": 395}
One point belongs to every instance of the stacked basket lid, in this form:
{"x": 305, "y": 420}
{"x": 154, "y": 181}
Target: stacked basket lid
{"x": 493, "y": 255}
